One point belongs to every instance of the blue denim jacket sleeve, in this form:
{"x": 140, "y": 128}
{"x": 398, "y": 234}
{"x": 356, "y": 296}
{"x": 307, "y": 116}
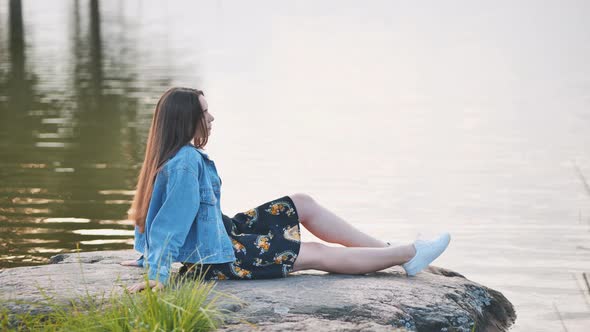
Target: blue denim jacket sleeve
{"x": 172, "y": 222}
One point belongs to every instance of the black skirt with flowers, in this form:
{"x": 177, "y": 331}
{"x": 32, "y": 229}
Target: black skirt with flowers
{"x": 266, "y": 243}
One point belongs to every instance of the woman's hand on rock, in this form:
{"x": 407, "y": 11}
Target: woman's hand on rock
{"x": 132, "y": 262}
{"x": 138, "y": 287}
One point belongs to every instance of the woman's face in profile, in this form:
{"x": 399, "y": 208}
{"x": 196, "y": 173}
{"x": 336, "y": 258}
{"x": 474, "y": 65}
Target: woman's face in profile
{"x": 208, "y": 117}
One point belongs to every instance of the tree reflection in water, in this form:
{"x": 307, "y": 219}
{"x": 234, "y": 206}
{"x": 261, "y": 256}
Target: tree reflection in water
{"x": 69, "y": 142}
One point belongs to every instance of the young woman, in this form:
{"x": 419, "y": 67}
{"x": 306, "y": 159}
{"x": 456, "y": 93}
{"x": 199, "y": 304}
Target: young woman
{"x": 178, "y": 218}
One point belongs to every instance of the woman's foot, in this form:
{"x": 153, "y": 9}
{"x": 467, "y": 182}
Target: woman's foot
{"x": 426, "y": 252}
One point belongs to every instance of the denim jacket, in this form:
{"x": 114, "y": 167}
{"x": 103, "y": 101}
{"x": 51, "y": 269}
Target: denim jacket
{"x": 184, "y": 222}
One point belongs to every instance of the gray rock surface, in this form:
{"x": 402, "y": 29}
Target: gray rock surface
{"x": 434, "y": 300}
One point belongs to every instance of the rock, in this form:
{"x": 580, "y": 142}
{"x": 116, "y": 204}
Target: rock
{"x": 434, "y": 300}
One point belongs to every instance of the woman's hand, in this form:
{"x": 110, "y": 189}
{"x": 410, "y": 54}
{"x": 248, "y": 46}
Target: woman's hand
{"x": 132, "y": 262}
{"x": 154, "y": 285}
{"x": 138, "y": 287}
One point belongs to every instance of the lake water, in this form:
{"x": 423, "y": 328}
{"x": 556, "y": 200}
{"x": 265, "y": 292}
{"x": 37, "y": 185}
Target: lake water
{"x": 404, "y": 118}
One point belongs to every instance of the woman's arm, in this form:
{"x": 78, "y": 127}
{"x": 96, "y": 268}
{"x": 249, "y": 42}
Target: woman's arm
{"x": 172, "y": 222}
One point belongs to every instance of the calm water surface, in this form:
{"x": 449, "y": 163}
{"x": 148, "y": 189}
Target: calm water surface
{"x": 403, "y": 118}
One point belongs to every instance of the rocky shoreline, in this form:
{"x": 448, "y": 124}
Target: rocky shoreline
{"x": 435, "y": 300}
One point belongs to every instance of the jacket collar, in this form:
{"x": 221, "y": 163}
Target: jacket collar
{"x": 202, "y": 152}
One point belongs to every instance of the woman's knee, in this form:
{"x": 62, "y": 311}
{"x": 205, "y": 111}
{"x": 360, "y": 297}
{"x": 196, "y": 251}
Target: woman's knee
{"x": 311, "y": 255}
{"x": 304, "y": 203}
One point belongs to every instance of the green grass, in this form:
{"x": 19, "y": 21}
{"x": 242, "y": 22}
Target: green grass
{"x": 188, "y": 303}
{"x": 185, "y": 305}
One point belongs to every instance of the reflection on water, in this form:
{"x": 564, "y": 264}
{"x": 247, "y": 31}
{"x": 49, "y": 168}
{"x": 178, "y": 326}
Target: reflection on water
{"x": 401, "y": 117}
{"x": 70, "y": 121}
{"x": 61, "y": 220}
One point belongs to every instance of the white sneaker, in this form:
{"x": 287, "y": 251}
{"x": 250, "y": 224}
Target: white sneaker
{"x": 426, "y": 252}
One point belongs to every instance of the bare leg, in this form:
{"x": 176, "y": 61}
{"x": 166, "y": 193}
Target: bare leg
{"x": 317, "y": 256}
{"x": 329, "y": 227}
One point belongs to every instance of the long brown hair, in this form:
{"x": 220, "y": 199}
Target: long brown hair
{"x": 177, "y": 120}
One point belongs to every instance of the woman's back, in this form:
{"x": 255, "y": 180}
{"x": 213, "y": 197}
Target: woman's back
{"x": 184, "y": 221}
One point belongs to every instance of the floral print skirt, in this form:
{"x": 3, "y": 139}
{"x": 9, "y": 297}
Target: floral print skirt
{"x": 266, "y": 243}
